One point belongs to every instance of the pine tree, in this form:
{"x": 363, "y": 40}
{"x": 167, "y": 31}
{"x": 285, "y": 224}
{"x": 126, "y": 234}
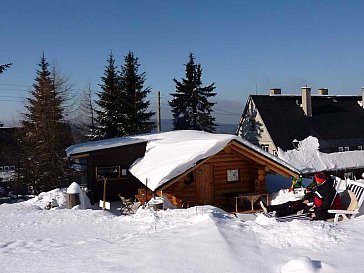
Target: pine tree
{"x": 111, "y": 116}
{"x": 190, "y": 103}
{"x": 44, "y": 136}
{"x": 136, "y": 103}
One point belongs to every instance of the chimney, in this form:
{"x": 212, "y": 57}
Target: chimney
{"x": 275, "y": 91}
{"x": 306, "y": 101}
{"x": 323, "y": 91}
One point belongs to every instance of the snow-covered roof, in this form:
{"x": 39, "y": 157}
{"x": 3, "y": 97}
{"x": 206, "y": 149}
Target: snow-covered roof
{"x": 102, "y": 144}
{"x": 308, "y": 159}
{"x": 284, "y": 119}
{"x": 172, "y": 153}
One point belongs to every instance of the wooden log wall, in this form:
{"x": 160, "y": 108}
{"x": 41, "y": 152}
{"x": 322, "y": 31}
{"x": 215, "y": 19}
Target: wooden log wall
{"x": 184, "y": 189}
{"x": 250, "y": 177}
{"x": 224, "y": 191}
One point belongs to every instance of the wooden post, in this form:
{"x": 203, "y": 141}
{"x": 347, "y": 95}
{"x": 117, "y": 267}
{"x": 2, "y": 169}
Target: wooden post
{"x": 146, "y": 190}
{"x": 159, "y": 111}
{"x": 104, "y": 195}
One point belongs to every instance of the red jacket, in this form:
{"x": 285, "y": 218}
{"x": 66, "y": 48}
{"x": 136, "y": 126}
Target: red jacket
{"x": 325, "y": 198}
{"x": 336, "y": 204}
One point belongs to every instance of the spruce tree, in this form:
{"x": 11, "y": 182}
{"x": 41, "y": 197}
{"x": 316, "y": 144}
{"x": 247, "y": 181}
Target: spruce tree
{"x": 136, "y": 103}
{"x": 111, "y": 116}
{"x": 44, "y": 135}
{"x": 190, "y": 104}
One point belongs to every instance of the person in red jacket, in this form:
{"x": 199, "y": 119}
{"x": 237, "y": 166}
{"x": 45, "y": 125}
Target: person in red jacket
{"x": 325, "y": 197}
{"x": 323, "y": 194}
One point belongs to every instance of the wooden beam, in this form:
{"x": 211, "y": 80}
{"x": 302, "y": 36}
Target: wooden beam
{"x": 255, "y": 156}
{"x": 164, "y": 186}
{"x": 244, "y": 151}
{"x": 79, "y": 156}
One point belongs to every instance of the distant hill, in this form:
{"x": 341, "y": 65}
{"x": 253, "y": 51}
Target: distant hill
{"x": 223, "y": 128}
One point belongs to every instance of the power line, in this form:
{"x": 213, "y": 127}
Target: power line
{"x": 228, "y": 112}
{"x": 10, "y": 84}
{"x": 12, "y": 89}
{"x": 7, "y": 96}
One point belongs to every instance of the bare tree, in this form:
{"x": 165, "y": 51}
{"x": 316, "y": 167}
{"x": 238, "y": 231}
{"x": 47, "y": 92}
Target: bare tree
{"x": 87, "y": 107}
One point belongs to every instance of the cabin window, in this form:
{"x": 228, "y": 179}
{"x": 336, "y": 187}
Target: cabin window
{"x": 360, "y": 147}
{"x": 108, "y": 172}
{"x": 265, "y": 147}
{"x": 1, "y": 168}
{"x": 6, "y": 168}
{"x": 340, "y": 149}
{"x": 233, "y": 175}
{"x": 12, "y": 168}
{"x": 346, "y": 148}
{"x": 123, "y": 172}
{"x": 275, "y": 152}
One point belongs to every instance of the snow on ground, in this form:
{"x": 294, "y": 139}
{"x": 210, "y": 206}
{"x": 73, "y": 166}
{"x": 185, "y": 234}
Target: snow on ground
{"x": 198, "y": 239}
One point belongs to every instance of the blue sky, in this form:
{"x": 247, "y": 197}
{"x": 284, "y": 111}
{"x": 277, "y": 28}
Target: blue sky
{"x": 243, "y": 46}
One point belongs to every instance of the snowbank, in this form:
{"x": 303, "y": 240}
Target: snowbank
{"x": 198, "y": 239}
{"x": 58, "y": 198}
{"x": 306, "y": 265}
{"x": 42, "y": 200}
{"x": 308, "y": 159}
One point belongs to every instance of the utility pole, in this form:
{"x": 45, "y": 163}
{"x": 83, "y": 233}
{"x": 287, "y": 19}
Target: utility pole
{"x": 159, "y": 128}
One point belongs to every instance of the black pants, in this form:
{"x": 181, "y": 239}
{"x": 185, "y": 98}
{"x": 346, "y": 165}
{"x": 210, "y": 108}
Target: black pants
{"x": 288, "y": 208}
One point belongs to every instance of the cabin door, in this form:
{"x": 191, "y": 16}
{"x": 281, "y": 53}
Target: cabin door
{"x": 204, "y": 183}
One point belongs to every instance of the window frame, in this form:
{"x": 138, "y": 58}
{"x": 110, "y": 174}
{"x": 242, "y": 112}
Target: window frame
{"x": 110, "y": 175}
{"x": 232, "y": 175}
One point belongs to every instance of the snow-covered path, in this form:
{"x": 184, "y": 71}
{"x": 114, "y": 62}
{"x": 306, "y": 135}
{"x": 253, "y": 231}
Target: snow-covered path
{"x": 202, "y": 239}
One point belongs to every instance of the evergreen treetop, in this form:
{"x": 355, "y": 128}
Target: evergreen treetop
{"x": 111, "y": 116}
{"x": 123, "y": 104}
{"x": 45, "y": 135}
{"x": 190, "y": 104}
{"x": 136, "y": 103}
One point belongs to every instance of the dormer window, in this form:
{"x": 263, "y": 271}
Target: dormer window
{"x": 341, "y": 149}
{"x": 346, "y": 149}
{"x": 360, "y": 147}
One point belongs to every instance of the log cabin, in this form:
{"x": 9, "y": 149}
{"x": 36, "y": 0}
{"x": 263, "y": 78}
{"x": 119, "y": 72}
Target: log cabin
{"x": 191, "y": 167}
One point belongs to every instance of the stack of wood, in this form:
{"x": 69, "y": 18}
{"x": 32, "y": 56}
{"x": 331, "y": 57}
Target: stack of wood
{"x": 173, "y": 199}
{"x": 260, "y": 181}
{"x": 143, "y": 195}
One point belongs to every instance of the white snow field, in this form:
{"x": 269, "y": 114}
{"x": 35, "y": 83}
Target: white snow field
{"x": 198, "y": 239}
